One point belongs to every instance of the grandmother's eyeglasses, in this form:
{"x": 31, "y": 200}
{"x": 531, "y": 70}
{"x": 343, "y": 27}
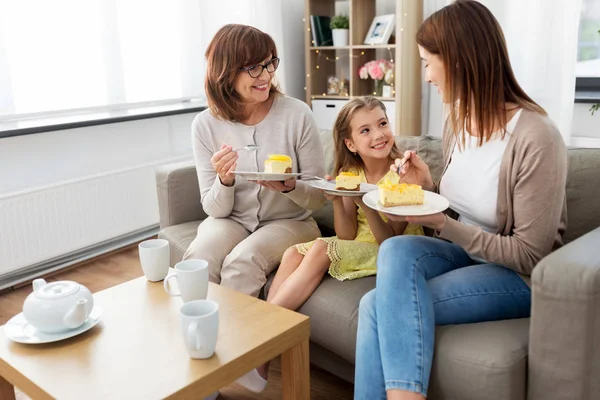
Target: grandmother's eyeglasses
{"x": 256, "y": 70}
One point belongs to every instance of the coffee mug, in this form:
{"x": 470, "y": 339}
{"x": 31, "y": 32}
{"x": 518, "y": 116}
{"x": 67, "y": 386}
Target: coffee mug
{"x": 154, "y": 257}
{"x": 192, "y": 280}
{"x": 200, "y": 327}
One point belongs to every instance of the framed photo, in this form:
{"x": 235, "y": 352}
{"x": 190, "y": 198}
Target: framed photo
{"x": 381, "y": 29}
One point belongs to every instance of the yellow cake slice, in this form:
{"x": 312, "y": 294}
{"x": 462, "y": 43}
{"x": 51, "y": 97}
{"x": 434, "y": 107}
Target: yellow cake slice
{"x": 400, "y": 194}
{"x": 278, "y": 164}
{"x": 347, "y": 181}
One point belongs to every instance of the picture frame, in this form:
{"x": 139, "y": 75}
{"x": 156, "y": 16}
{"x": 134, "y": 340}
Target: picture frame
{"x": 381, "y": 29}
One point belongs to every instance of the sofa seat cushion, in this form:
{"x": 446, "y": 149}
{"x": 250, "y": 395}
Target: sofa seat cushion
{"x": 333, "y": 312}
{"x": 472, "y": 361}
{"x": 179, "y": 237}
{"x": 481, "y": 361}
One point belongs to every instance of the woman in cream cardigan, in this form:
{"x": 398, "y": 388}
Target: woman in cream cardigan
{"x": 251, "y": 224}
{"x": 504, "y": 175}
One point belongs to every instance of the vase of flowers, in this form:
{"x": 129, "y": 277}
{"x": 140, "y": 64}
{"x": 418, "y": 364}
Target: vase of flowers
{"x": 381, "y": 71}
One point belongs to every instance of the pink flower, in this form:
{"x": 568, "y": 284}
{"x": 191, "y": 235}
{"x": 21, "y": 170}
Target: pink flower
{"x": 375, "y": 71}
{"x": 362, "y": 72}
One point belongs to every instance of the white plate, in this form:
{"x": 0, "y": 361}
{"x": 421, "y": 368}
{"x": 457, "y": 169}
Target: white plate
{"x": 19, "y": 330}
{"x": 329, "y": 188}
{"x": 432, "y": 203}
{"x": 265, "y": 176}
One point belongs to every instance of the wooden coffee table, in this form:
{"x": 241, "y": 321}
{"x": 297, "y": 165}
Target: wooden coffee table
{"x": 137, "y": 350}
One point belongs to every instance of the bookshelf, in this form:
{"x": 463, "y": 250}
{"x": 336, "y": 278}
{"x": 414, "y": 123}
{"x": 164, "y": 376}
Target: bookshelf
{"x": 343, "y": 62}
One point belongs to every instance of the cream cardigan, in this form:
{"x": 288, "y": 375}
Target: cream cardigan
{"x": 532, "y": 209}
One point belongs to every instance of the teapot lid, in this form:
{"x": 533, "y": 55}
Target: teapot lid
{"x": 57, "y": 290}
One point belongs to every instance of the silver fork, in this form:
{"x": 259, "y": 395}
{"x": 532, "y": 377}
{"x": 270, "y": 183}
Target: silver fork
{"x": 250, "y": 147}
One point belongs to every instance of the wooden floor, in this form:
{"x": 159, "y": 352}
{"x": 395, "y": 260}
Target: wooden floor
{"x": 115, "y": 268}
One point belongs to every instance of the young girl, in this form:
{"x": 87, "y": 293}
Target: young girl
{"x": 364, "y": 144}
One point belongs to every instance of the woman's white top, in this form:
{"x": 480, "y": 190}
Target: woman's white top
{"x": 470, "y": 182}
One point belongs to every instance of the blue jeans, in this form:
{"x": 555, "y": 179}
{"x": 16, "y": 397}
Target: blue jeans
{"x": 423, "y": 282}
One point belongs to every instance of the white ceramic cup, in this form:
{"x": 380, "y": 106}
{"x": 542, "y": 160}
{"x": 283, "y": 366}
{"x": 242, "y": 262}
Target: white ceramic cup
{"x": 154, "y": 257}
{"x": 200, "y": 327}
{"x": 192, "y": 280}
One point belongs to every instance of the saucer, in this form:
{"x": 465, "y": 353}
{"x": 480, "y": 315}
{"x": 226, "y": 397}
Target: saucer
{"x": 19, "y": 330}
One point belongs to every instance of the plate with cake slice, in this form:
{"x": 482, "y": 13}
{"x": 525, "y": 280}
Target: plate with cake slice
{"x": 345, "y": 184}
{"x": 405, "y": 200}
{"x": 266, "y": 176}
{"x": 278, "y": 167}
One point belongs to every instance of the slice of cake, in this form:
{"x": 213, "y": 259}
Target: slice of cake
{"x": 400, "y": 194}
{"x": 347, "y": 181}
{"x": 278, "y": 164}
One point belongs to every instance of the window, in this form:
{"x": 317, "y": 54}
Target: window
{"x": 588, "y": 53}
{"x": 72, "y": 54}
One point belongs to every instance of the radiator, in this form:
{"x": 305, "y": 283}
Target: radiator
{"x": 46, "y": 223}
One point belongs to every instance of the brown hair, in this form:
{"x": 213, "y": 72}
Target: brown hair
{"x": 345, "y": 160}
{"x": 469, "y": 41}
{"x": 233, "y": 47}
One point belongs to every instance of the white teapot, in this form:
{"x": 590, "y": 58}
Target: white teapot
{"x": 57, "y": 306}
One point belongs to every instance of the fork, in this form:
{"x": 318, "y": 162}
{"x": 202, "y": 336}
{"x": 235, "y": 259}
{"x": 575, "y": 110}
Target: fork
{"x": 250, "y": 147}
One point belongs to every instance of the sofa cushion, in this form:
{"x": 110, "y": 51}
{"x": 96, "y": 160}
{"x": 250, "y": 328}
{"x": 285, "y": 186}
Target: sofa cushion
{"x": 583, "y": 191}
{"x": 179, "y": 237}
{"x": 481, "y": 361}
{"x": 333, "y": 311}
{"x": 471, "y": 361}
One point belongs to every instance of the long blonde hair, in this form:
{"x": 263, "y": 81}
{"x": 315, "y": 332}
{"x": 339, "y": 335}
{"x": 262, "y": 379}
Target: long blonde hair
{"x": 479, "y": 79}
{"x": 345, "y": 160}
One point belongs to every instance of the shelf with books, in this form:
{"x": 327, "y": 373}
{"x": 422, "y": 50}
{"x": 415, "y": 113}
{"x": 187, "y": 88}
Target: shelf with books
{"x": 327, "y": 65}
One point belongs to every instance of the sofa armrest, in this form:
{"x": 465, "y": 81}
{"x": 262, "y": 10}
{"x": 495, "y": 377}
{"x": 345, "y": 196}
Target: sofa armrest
{"x": 178, "y": 194}
{"x": 564, "y": 339}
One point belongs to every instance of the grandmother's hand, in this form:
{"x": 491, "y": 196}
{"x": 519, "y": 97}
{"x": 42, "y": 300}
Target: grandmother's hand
{"x": 224, "y": 162}
{"x": 278, "y": 186}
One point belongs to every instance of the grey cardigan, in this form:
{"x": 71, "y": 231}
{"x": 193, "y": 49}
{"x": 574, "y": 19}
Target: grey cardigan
{"x": 532, "y": 208}
{"x": 289, "y": 128}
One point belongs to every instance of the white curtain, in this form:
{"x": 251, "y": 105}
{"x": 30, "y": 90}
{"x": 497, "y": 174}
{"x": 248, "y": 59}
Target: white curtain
{"x": 541, "y": 36}
{"x": 71, "y": 54}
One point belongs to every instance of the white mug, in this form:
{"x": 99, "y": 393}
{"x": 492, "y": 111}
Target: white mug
{"x": 154, "y": 257}
{"x": 192, "y": 280}
{"x": 200, "y": 327}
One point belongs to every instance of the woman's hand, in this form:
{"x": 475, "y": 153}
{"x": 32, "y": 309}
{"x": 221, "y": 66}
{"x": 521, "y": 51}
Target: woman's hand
{"x": 413, "y": 170}
{"x": 224, "y": 162}
{"x": 433, "y": 221}
{"x": 278, "y": 186}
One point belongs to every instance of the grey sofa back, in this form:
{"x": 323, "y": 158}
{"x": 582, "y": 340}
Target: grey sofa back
{"x": 583, "y": 181}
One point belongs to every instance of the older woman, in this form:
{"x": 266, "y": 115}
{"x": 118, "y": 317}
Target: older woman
{"x": 250, "y": 224}
{"x": 505, "y": 174}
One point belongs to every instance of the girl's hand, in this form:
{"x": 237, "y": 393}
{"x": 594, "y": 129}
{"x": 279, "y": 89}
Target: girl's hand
{"x": 278, "y": 186}
{"x": 331, "y": 197}
{"x": 359, "y": 202}
{"x": 433, "y": 221}
{"x": 224, "y": 162}
{"x": 413, "y": 170}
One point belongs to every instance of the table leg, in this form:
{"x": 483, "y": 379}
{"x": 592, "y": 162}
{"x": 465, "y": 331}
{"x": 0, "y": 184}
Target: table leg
{"x": 295, "y": 371}
{"x": 7, "y": 390}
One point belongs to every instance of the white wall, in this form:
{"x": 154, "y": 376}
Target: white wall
{"x": 50, "y": 158}
{"x": 293, "y": 48}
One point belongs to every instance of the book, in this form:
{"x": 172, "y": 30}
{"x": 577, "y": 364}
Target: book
{"x": 320, "y": 30}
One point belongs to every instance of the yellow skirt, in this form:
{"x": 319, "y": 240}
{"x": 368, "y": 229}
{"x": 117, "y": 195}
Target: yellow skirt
{"x": 352, "y": 259}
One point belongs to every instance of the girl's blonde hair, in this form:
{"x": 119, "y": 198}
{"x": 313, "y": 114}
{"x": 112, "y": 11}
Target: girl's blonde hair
{"x": 345, "y": 160}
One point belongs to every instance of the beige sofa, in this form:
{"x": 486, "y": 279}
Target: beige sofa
{"x": 555, "y": 354}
